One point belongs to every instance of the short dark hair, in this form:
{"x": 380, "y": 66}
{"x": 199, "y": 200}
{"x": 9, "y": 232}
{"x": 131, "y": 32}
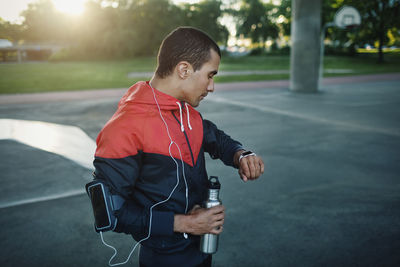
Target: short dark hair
{"x": 184, "y": 44}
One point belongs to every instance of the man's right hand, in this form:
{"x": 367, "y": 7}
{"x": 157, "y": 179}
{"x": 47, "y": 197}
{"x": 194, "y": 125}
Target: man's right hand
{"x": 200, "y": 221}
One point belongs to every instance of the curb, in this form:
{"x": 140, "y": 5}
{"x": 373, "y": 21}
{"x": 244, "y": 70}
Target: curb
{"x": 47, "y": 97}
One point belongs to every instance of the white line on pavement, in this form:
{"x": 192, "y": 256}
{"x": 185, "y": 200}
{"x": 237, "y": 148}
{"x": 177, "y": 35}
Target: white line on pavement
{"x": 348, "y": 125}
{"x": 42, "y": 199}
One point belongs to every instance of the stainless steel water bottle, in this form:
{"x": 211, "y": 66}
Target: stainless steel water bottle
{"x": 209, "y": 242}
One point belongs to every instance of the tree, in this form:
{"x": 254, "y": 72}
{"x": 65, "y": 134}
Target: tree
{"x": 151, "y": 20}
{"x": 254, "y": 23}
{"x": 204, "y": 15}
{"x": 137, "y": 27}
{"x": 131, "y": 28}
{"x": 9, "y": 31}
{"x": 283, "y": 16}
{"x": 378, "y": 19}
{"x": 43, "y": 23}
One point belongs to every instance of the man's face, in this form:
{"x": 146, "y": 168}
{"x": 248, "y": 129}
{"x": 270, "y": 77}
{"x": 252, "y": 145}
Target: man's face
{"x": 201, "y": 82}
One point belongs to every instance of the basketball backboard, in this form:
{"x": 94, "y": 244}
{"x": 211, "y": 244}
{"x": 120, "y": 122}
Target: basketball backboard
{"x": 346, "y": 17}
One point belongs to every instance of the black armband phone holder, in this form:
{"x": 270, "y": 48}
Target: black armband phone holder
{"x": 104, "y": 205}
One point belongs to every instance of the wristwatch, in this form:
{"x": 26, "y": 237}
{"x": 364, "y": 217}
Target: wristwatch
{"x": 246, "y": 154}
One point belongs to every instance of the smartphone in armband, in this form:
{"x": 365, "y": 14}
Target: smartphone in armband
{"x": 103, "y": 204}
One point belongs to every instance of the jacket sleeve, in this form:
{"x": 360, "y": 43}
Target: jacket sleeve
{"x": 120, "y": 174}
{"x": 218, "y": 144}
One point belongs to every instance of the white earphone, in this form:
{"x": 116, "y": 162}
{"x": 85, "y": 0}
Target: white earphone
{"x": 162, "y": 201}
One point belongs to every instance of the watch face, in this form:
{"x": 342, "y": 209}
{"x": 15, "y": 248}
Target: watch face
{"x": 246, "y": 153}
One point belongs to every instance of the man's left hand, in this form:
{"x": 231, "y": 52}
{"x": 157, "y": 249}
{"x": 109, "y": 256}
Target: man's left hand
{"x": 250, "y": 167}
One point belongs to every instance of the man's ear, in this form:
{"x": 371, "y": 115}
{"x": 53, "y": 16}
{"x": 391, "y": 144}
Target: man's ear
{"x": 184, "y": 69}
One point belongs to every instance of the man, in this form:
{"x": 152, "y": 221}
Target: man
{"x": 151, "y": 153}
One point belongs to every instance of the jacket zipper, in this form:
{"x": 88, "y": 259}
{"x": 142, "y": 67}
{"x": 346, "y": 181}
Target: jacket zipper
{"x": 187, "y": 139}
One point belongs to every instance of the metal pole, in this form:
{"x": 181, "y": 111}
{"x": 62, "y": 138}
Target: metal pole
{"x": 322, "y": 51}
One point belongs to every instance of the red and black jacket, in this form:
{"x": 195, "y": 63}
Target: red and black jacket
{"x": 133, "y": 158}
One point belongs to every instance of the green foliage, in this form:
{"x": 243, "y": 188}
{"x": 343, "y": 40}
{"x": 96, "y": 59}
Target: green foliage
{"x": 151, "y": 20}
{"x": 136, "y": 28}
{"x": 130, "y": 28}
{"x": 341, "y": 50}
{"x": 378, "y": 19}
{"x": 44, "y": 24}
{"x": 204, "y": 16}
{"x": 283, "y": 16}
{"x": 9, "y": 31}
{"x": 254, "y": 22}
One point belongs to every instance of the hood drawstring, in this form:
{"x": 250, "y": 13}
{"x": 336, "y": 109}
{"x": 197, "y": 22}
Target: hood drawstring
{"x": 180, "y": 112}
{"x": 188, "y": 116}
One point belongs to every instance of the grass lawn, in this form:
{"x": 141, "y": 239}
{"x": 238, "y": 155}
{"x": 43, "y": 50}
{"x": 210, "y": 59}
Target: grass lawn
{"x": 47, "y": 76}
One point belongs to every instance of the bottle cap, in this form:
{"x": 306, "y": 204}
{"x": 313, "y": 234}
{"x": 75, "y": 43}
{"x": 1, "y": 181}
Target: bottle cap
{"x": 213, "y": 183}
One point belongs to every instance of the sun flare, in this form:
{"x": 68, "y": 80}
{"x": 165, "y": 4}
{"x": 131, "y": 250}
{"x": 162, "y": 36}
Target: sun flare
{"x": 73, "y": 7}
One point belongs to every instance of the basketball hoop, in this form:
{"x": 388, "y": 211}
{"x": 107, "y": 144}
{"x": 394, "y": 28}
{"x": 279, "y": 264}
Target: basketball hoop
{"x": 347, "y": 17}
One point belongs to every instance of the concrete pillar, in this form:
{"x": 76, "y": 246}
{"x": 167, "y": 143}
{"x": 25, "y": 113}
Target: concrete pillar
{"x": 305, "y": 49}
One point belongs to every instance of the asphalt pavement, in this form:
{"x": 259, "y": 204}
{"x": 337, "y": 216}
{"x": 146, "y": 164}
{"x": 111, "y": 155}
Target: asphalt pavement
{"x": 330, "y": 195}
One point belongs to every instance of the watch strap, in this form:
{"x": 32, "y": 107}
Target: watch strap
{"x": 246, "y": 154}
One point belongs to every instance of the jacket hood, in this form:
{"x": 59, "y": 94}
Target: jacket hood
{"x": 147, "y": 97}
{"x": 142, "y": 93}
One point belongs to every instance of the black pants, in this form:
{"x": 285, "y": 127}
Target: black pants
{"x": 187, "y": 258}
{"x": 206, "y": 263}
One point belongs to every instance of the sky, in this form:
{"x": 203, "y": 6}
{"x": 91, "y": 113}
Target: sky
{"x": 10, "y": 9}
